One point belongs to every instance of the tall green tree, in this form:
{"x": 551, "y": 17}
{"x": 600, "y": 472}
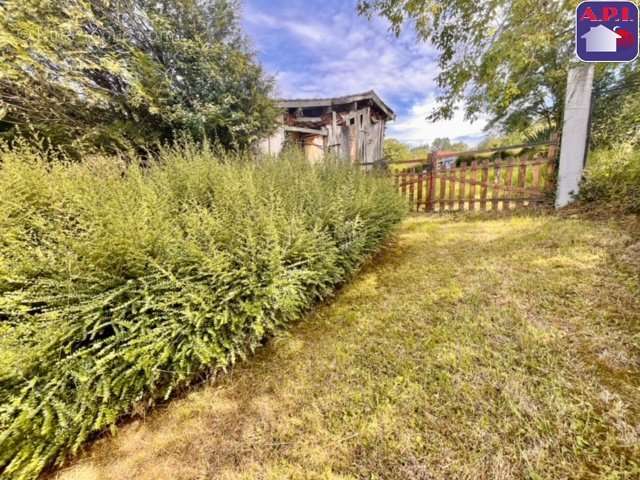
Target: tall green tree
{"x": 395, "y": 150}
{"x": 125, "y": 73}
{"x": 421, "y": 151}
{"x": 616, "y": 107}
{"x": 507, "y": 59}
{"x": 444, "y": 143}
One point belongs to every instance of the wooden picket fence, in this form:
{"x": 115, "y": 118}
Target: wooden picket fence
{"x": 466, "y": 183}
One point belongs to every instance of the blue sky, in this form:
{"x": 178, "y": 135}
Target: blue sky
{"x": 322, "y": 48}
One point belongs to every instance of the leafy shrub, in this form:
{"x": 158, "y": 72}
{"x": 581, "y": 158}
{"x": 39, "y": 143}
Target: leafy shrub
{"x": 613, "y": 177}
{"x": 112, "y": 75}
{"x": 120, "y": 284}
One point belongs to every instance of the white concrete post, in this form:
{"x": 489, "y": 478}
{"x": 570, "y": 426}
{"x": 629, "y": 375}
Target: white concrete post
{"x": 575, "y": 131}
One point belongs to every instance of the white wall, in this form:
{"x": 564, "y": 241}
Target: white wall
{"x": 272, "y": 145}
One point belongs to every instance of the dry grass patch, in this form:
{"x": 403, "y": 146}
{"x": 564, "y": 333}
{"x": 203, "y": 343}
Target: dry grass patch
{"x": 474, "y": 349}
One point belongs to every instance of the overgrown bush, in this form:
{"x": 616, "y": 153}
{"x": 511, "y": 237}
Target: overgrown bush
{"x": 613, "y": 177}
{"x": 109, "y": 75}
{"x": 120, "y": 284}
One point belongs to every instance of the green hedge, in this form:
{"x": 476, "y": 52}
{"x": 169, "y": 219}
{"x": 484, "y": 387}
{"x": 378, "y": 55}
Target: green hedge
{"x": 119, "y": 285}
{"x": 612, "y": 177}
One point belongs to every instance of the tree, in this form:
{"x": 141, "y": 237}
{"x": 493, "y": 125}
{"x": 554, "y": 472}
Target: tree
{"x": 616, "y": 108}
{"x": 125, "y": 73}
{"x": 504, "y": 58}
{"x": 395, "y": 151}
{"x": 445, "y": 143}
{"x": 421, "y": 152}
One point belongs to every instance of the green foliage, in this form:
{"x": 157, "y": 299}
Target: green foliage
{"x": 395, "y": 150}
{"x": 616, "y": 108}
{"x": 613, "y": 177}
{"x": 421, "y": 152}
{"x": 121, "y": 284}
{"x": 538, "y": 132}
{"x": 445, "y": 144}
{"x": 126, "y": 73}
{"x": 461, "y": 347}
{"x": 496, "y": 141}
{"x": 507, "y": 59}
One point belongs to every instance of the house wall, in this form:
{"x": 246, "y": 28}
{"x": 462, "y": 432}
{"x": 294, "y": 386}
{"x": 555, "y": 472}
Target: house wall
{"x": 344, "y": 139}
{"x": 274, "y": 144}
{"x": 360, "y": 139}
{"x": 355, "y": 136}
{"x": 314, "y": 148}
{"x": 376, "y": 144}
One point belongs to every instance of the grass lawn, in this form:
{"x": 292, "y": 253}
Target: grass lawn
{"x": 475, "y": 349}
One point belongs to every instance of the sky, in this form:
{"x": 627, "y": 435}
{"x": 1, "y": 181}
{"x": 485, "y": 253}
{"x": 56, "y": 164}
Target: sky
{"x": 323, "y": 48}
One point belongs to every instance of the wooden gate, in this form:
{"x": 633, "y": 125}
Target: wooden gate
{"x": 477, "y": 181}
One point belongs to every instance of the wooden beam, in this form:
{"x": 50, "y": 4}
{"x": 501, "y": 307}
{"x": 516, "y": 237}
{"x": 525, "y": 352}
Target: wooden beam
{"x": 308, "y": 119}
{"x": 331, "y": 102}
{"x": 311, "y": 131}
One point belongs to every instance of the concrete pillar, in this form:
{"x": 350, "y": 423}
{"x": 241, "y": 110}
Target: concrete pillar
{"x": 575, "y": 130}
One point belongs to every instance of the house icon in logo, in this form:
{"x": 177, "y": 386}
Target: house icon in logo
{"x": 607, "y": 31}
{"x": 601, "y": 39}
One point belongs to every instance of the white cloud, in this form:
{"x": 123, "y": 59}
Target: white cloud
{"x": 335, "y": 52}
{"x": 415, "y": 129}
{"x": 308, "y": 32}
{"x": 347, "y": 54}
{"x": 311, "y": 34}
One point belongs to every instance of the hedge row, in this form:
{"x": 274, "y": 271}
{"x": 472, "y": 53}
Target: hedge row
{"x": 120, "y": 284}
{"x": 612, "y": 178}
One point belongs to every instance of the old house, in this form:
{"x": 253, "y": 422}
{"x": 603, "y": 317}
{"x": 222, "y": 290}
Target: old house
{"x": 350, "y": 127}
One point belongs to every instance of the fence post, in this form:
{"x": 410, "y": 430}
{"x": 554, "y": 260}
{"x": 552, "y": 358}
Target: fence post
{"x": 484, "y": 186}
{"x": 432, "y": 183}
{"x": 522, "y": 181}
{"x": 508, "y": 184}
{"x": 403, "y": 184}
{"x": 472, "y": 188}
{"x": 412, "y": 189}
{"x": 452, "y": 187}
{"x": 463, "y": 185}
{"x": 419, "y": 201}
{"x": 495, "y": 189}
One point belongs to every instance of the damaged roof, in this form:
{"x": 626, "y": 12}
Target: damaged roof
{"x": 330, "y": 102}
